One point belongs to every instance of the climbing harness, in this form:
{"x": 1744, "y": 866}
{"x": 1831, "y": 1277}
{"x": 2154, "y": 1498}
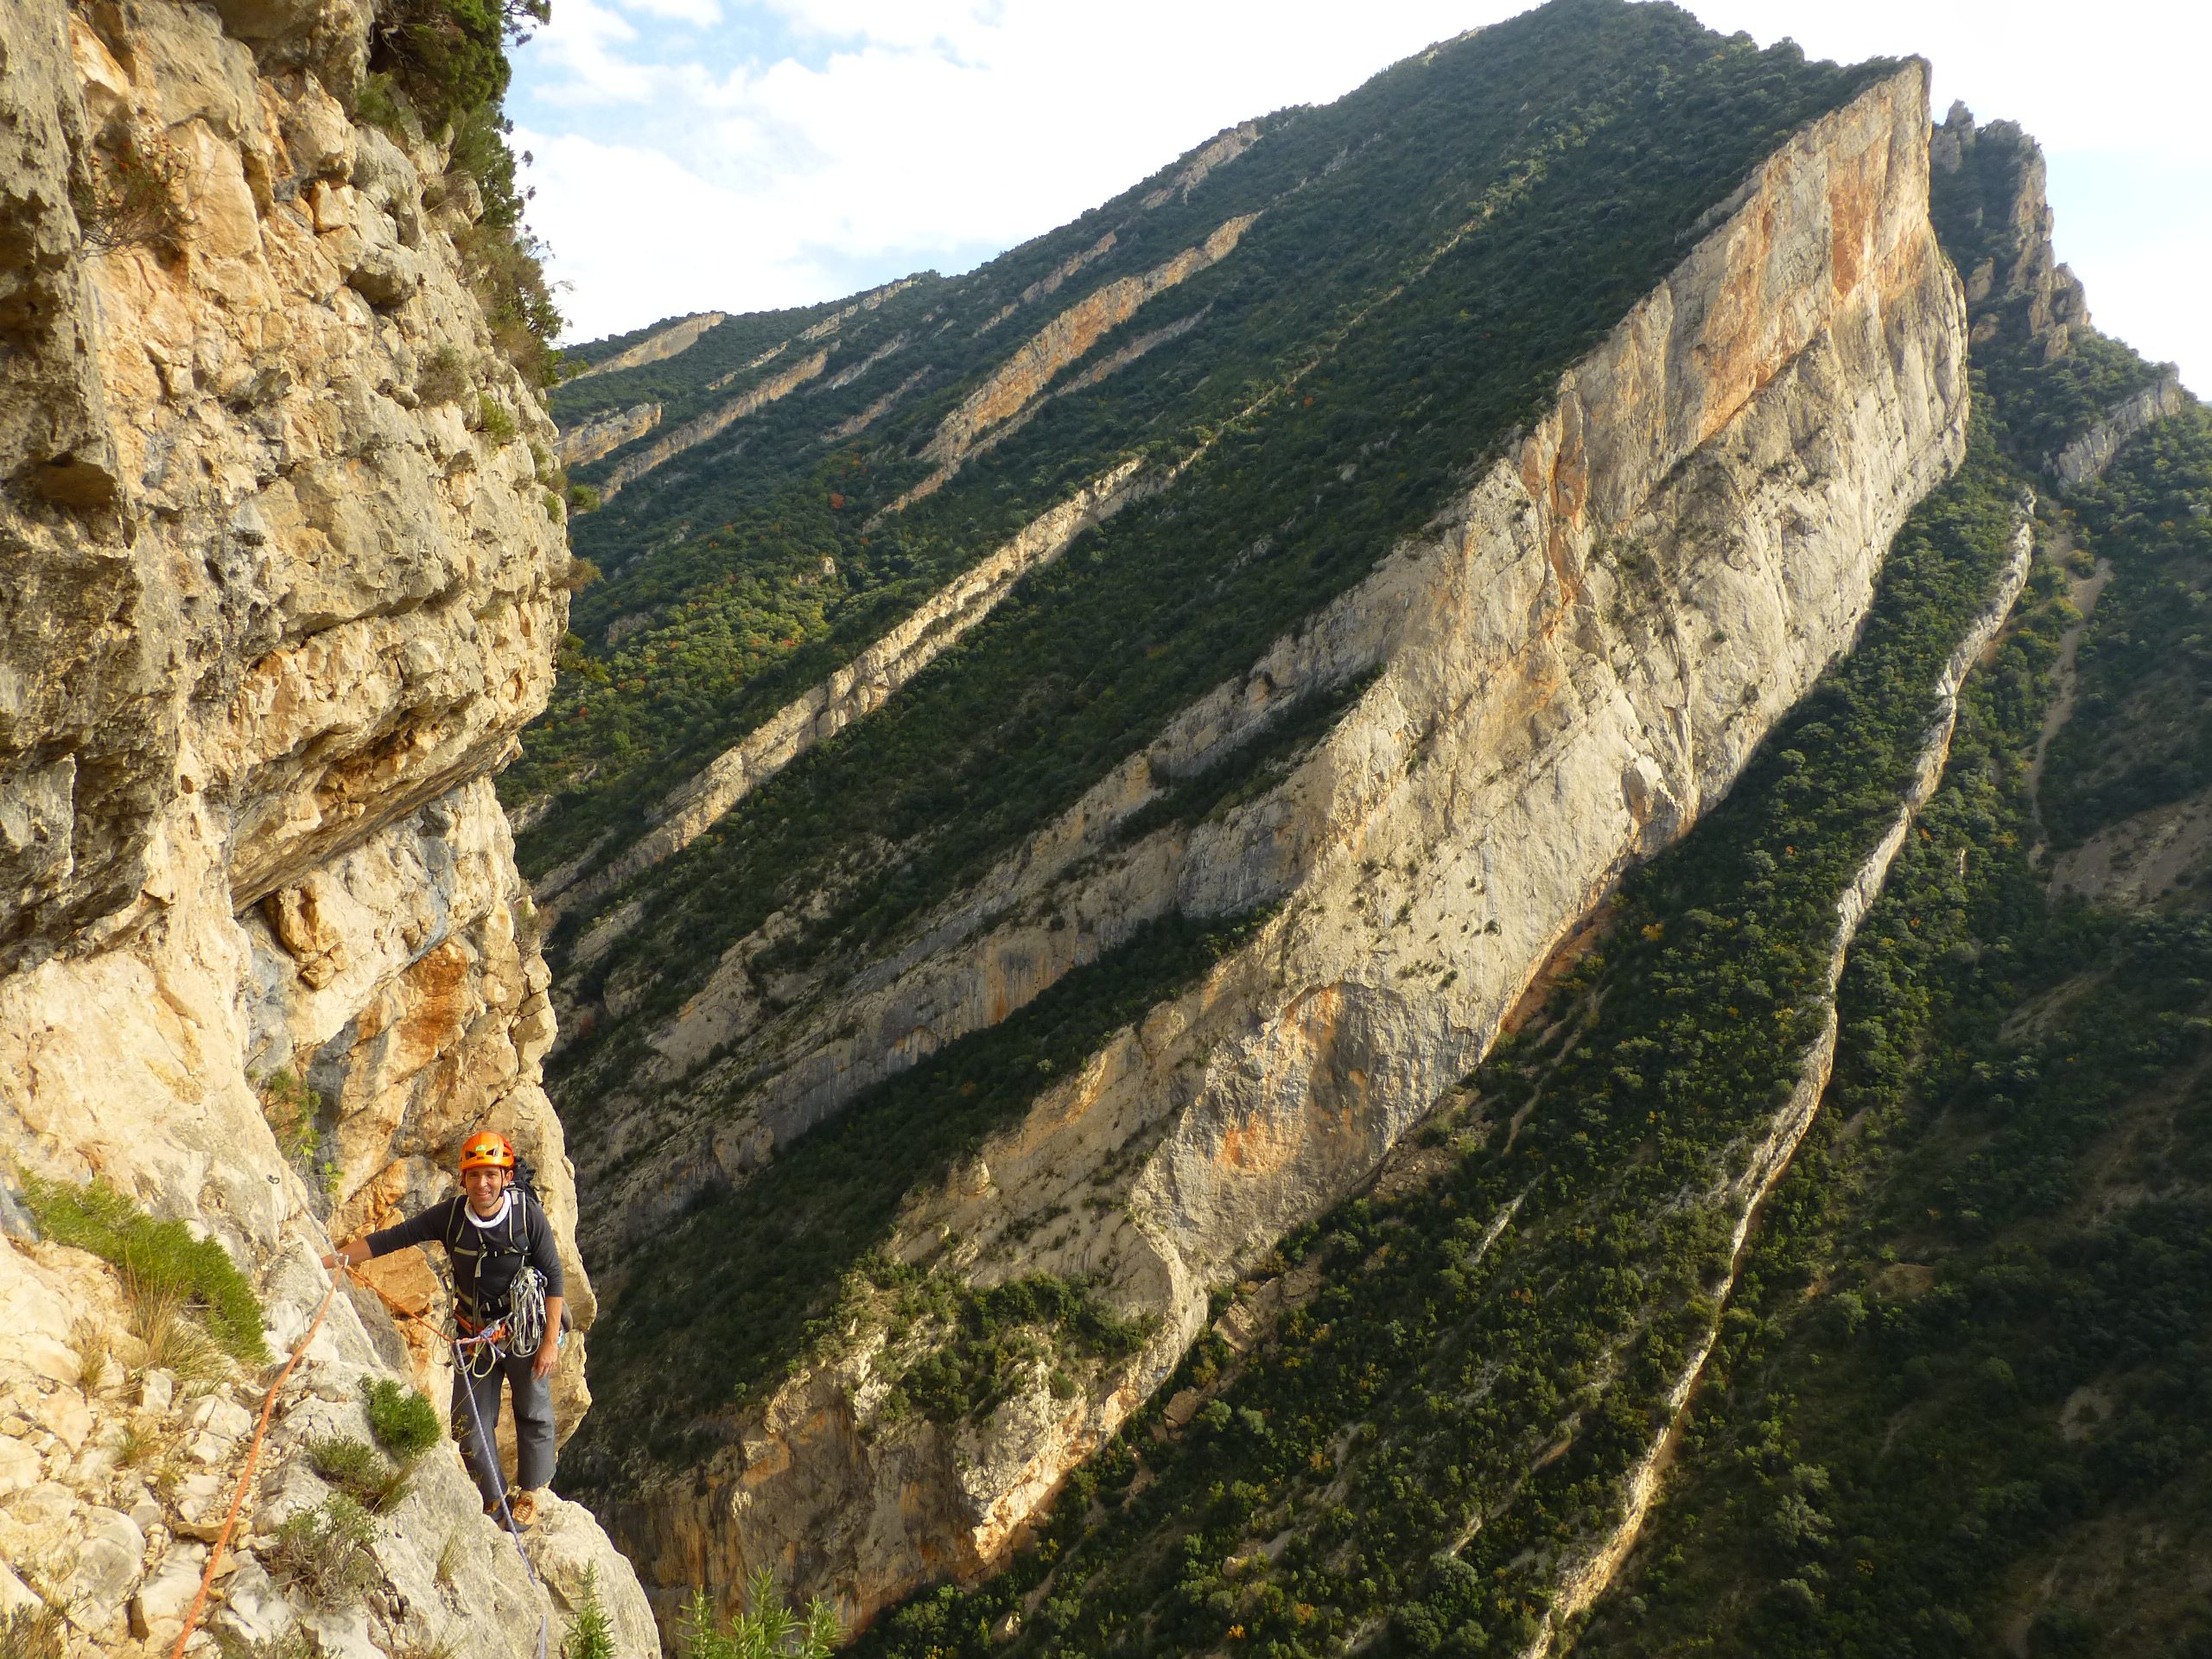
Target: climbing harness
{"x": 518, "y": 1336}
{"x": 522, "y": 1322}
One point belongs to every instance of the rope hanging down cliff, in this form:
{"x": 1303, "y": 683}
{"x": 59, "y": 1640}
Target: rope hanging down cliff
{"x": 484, "y": 1340}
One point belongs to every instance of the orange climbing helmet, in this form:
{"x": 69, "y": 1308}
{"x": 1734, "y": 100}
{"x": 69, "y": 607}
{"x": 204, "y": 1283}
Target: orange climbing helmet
{"x": 487, "y": 1150}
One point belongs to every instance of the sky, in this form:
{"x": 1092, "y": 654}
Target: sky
{"x": 743, "y": 155}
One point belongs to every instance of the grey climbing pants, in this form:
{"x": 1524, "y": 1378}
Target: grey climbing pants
{"x": 533, "y": 1404}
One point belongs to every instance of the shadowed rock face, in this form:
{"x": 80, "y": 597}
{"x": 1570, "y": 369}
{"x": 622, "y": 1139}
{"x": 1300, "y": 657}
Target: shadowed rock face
{"x": 284, "y": 583}
{"x": 1569, "y": 665}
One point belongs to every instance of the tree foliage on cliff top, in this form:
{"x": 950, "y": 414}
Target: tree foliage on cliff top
{"x": 439, "y": 69}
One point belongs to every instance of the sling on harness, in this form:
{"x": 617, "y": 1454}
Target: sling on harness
{"x": 498, "y": 1293}
{"x": 518, "y": 1336}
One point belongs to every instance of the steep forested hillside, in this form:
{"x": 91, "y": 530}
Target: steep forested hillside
{"x": 1958, "y": 1405}
{"x": 1553, "y": 168}
{"x": 1428, "y": 256}
{"x": 974, "y": 728}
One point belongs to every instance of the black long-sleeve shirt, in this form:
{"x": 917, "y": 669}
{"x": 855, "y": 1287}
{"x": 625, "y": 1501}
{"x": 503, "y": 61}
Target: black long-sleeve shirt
{"x": 485, "y": 1259}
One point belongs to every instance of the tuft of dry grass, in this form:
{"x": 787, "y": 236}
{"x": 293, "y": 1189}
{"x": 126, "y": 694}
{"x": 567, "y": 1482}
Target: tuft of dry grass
{"x": 34, "y": 1633}
{"x": 449, "y": 1558}
{"x": 170, "y": 1339}
{"x": 92, "y": 1346}
{"x": 138, "y": 1446}
{"x": 167, "y": 1476}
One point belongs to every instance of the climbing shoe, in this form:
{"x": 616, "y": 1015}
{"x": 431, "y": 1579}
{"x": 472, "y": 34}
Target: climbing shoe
{"x": 522, "y": 1505}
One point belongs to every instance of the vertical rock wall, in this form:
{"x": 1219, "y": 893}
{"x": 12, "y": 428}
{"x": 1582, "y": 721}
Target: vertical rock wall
{"x": 284, "y": 580}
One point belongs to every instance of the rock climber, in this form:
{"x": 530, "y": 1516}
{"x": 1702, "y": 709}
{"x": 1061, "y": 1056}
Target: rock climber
{"x": 492, "y": 1232}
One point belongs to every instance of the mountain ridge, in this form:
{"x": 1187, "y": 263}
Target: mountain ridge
{"x": 1868, "y": 243}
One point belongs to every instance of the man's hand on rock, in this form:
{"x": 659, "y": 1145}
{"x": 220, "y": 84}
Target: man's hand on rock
{"x": 352, "y": 1254}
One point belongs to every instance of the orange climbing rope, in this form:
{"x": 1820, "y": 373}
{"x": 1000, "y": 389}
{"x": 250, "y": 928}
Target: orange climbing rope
{"x": 245, "y": 1479}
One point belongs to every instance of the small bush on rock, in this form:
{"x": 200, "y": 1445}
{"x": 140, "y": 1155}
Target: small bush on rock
{"x": 766, "y": 1626}
{"x": 160, "y": 1260}
{"x": 327, "y": 1553}
{"x": 404, "y": 1423}
{"x": 591, "y": 1633}
{"x": 354, "y": 1467}
{"x": 443, "y": 378}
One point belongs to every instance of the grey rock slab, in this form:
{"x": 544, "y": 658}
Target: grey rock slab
{"x": 107, "y": 1568}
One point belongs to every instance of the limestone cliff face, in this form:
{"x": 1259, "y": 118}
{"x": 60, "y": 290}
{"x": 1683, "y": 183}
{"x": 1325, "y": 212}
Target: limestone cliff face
{"x": 700, "y": 428}
{"x": 607, "y": 433}
{"x": 2089, "y": 455}
{"x": 1572, "y": 663}
{"x": 285, "y": 581}
{"x": 660, "y": 345}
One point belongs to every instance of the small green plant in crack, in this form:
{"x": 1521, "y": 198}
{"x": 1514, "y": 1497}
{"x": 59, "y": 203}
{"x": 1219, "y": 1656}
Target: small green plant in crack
{"x": 293, "y": 1108}
{"x": 591, "y": 1632}
{"x": 493, "y": 419}
{"x": 766, "y": 1626}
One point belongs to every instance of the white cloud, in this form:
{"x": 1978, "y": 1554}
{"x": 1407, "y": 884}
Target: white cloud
{"x": 835, "y": 143}
{"x": 700, "y": 14}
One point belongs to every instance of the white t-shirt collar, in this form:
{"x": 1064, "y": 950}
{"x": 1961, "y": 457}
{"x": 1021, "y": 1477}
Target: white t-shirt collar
{"x": 496, "y": 1218}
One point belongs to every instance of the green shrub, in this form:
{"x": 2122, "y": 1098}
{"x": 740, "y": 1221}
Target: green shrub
{"x": 447, "y": 58}
{"x": 443, "y": 377}
{"x": 404, "y": 1423}
{"x": 493, "y": 420}
{"x": 327, "y": 1553}
{"x": 591, "y": 1633}
{"x": 583, "y": 498}
{"x": 158, "y": 1258}
{"x": 292, "y": 1108}
{"x": 381, "y": 104}
{"x": 765, "y": 1628}
{"x": 356, "y": 1469}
